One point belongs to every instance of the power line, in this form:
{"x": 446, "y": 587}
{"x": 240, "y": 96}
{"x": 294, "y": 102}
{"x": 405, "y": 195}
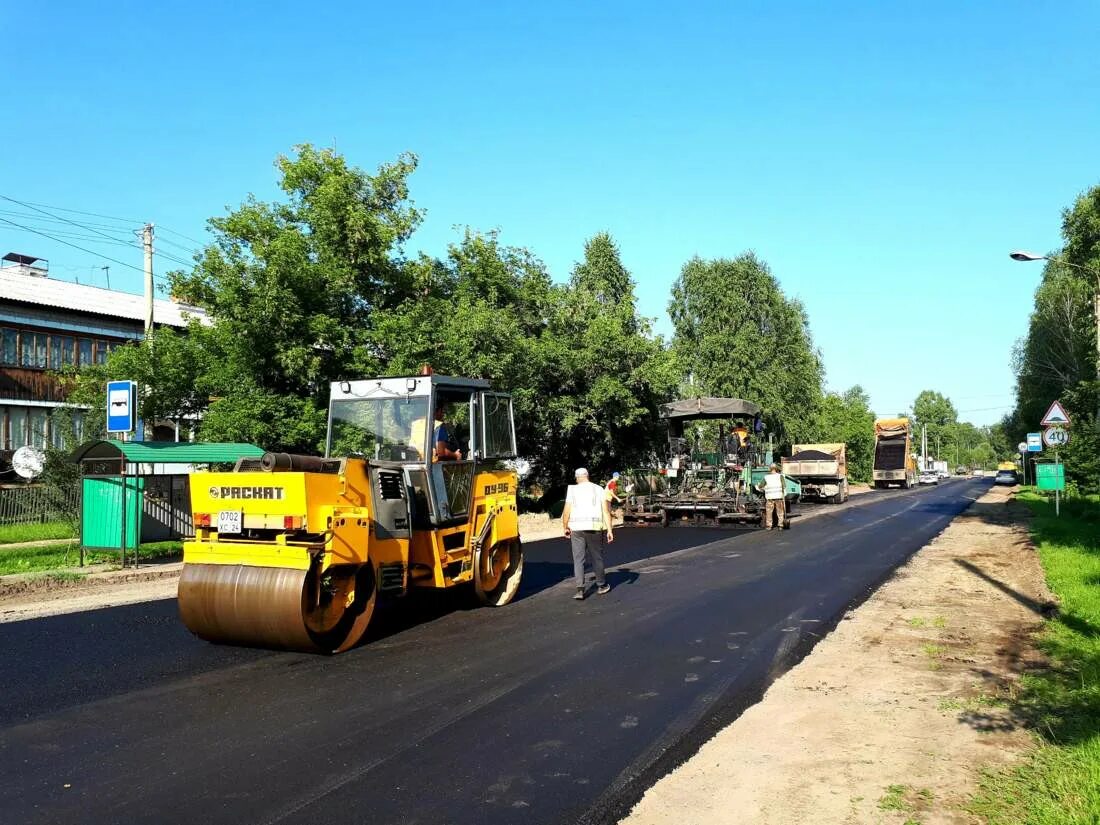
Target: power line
{"x": 73, "y": 245}
{"x": 81, "y": 237}
{"x": 58, "y": 217}
{"x": 188, "y": 249}
{"x": 39, "y": 217}
{"x": 92, "y": 214}
{"x": 58, "y": 235}
{"x": 186, "y": 237}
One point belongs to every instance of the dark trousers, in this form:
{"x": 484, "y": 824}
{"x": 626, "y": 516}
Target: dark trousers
{"x": 587, "y": 543}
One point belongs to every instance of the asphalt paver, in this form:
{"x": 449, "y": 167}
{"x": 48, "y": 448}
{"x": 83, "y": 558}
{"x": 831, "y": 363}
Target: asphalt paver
{"x": 548, "y": 710}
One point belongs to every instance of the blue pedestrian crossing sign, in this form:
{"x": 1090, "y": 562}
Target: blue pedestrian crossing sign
{"x": 1056, "y": 416}
{"x": 121, "y": 406}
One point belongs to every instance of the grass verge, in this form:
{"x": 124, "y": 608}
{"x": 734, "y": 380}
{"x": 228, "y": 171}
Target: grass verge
{"x": 1060, "y": 782}
{"x": 66, "y": 554}
{"x": 14, "y": 533}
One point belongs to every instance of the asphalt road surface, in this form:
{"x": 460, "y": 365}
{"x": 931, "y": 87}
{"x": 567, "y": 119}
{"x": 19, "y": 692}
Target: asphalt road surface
{"x": 545, "y": 711}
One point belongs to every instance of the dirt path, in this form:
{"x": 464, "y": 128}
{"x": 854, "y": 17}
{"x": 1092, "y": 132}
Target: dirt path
{"x": 892, "y": 716}
{"x": 37, "y": 605}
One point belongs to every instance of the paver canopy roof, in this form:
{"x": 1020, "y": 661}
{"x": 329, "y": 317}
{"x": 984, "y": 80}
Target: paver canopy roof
{"x": 709, "y": 408}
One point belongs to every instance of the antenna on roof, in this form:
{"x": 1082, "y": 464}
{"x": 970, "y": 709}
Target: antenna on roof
{"x": 107, "y": 273}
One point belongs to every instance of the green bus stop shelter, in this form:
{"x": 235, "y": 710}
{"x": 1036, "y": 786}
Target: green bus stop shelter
{"x": 152, "y": 478}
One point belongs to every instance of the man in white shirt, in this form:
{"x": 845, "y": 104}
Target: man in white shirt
{"x": 774, "y": 503}
{"x": 586, "y": 521}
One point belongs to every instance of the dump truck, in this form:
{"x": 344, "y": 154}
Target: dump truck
{"x": 821, "y": 470}
{"x": 894, "y": 463}
{"x": 707, "y": 480}
{"x": 294, "y": 551}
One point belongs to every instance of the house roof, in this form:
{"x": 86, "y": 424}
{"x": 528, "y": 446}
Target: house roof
{"x": 41, "y": 291}
{"x": 167, "y": 452}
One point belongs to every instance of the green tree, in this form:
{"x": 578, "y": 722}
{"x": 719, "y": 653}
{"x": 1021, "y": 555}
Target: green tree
{"x": 847, "y": 418}
{"x": 585, "y": 371}
{"x": 609, "y": 374}
{"x": 1057, "y": 359}
{"x": 291, "y": 290}
{"x": 935, "y": 411}
{"x": 738, "y": 335}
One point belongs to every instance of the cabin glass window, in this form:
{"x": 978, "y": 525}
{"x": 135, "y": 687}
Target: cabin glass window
{"x": 101, "y": 352}
{"x": 498, "y": 437}
{"x": 84, "y": 352}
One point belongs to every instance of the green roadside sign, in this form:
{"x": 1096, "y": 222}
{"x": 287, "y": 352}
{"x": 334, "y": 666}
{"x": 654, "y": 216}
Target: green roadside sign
{"x": 1050, "y": 476}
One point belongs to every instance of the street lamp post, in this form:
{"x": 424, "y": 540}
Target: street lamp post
{"x": 1020, "y": 255}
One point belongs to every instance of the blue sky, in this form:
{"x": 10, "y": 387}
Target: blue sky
{"x": 882, "y": 158}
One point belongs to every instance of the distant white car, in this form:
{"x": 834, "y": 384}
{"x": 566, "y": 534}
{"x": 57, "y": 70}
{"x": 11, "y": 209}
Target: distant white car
{"x": 928, "y": 477}
{"x": 943, "y": 475}
{"x": 978, "y": 473}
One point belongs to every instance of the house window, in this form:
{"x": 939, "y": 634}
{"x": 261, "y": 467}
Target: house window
{"x": 9, "y": 346}
{"x": 84, "y": 351}
{"x": 101, "y": 352}
{"x": 68, "y": 350}
{"x": 34, "y": 350}
{"x": 18, "y": 427}
{"x": 38, "y": 427}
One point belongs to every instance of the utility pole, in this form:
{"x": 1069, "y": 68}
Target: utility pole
{"x": 147, "y": 245}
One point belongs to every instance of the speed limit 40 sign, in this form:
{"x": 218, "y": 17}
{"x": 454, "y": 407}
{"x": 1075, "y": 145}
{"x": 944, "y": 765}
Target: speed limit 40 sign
{"x": 1055, "y": 437}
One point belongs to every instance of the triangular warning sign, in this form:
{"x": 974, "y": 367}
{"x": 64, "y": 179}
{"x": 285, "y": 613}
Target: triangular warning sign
{"x": 1055, "y": 415}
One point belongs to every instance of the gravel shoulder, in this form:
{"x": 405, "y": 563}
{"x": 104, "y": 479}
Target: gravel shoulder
{"x": 892, "y": 717}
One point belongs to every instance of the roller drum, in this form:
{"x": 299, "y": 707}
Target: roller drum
{"x": 274, "y": 607}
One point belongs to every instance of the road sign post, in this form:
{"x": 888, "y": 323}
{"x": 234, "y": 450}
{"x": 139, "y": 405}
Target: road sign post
{"x": 121, "y": 406}
{"x": 1055, "y": 437}
{"x": 1056, "y": 416}
{"x": 121, "y": 410}
{"x": 1052, "y": 476}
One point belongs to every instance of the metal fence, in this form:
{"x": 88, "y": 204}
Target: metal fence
{"x": 35, "y": 503}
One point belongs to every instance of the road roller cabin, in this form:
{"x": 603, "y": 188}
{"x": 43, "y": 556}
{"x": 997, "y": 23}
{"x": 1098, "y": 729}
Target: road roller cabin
{"x": 293, "y": 551}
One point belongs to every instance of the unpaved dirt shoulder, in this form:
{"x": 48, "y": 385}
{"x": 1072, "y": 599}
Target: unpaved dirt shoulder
{"x": 35, "y": 596}
{"x": 891, "y": 717}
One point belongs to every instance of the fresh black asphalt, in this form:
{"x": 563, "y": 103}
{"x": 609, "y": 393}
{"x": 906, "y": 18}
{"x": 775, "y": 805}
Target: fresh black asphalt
{"x": 545, "y": 711}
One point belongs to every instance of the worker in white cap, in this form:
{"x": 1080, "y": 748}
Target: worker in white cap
{"x": 586, "y": 521}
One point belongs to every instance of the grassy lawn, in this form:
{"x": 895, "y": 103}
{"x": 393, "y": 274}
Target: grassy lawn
{"x": 13, "y": 533}
{"x": 66, "y": 554}
{"x": 1060, "y": 784}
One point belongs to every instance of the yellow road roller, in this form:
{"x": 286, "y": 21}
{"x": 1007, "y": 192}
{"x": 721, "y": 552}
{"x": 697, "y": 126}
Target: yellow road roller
{"x": 293, "y": 551}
